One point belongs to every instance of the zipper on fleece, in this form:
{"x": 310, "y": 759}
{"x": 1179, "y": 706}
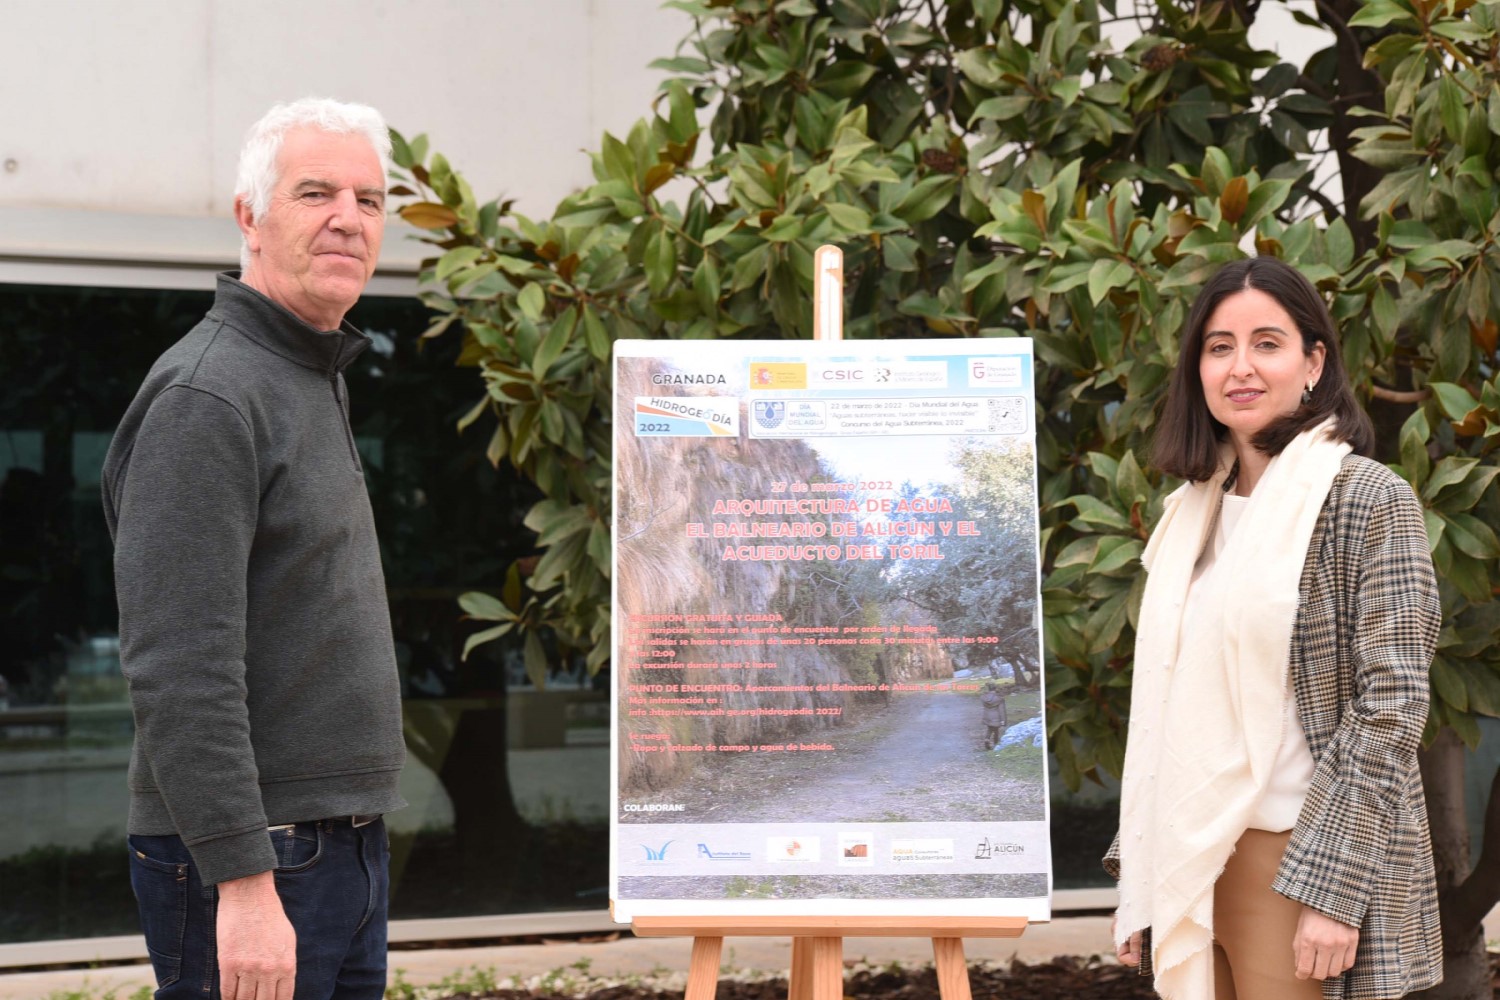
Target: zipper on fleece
{"x": 338, "y": 404}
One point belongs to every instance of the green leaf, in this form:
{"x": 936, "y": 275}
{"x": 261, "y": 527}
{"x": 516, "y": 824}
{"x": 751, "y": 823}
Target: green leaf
{"x": 1106, "y": 623}
{"x": 536, "y": 661}
{"x": 660, "y": 261}
{"x": 783, "y": 228}
{"x": 706, "y": 286}
{"x": 1107, "y": 274}
{"x": 1383, "y": 309}
{"x": 480, "y": 638}
{"x": 1414, "y": 435}
{"x": 1436, "y": 527}
{"x": 1449, "y": 684}
{"x": 1472, "y": 536}
{"x": 1339, "y": 242}
{"x": 1484, "y": 688}
{"x": 1378, "y": 13}
{"x": 1116, "y": 552}
{"x": 682, "y": 64}
{"x": 899, "y": 252}
{"x": 750, "y": 268}
{"x": 1464, "y": 496}
{"x": 553, "y": 343}
{"x": 845, "y": 78}
{"x": 849, "y": 218}
{"x": 455, "y": 259}
{"x": 1094, "y": 512}
{"x": 1267, "y": 197}
{"x": 926, "y": 199}
{"x": 474, "y": 413}
{"x": 1130, "y": 482}
{"x": 482, "y": 606}
{"x": 400, "y": 151}
{"x": 532, "y": 300}
{"x": 595, "y": 335}
{"x": 1451, "y": 252}
{"x": 1001, "y": 108}
{"x": 1451, "y": 469}
{"x": 619, "y": 161}
{"x": 599, "y": 548}
{"x": 1454, "y": 400}
{"x": 1066, "y": 90}
{"x": 1452, "y": 107}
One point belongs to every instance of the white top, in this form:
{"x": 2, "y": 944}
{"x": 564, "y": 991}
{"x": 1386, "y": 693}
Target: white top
{"x": 1281, "y": 802}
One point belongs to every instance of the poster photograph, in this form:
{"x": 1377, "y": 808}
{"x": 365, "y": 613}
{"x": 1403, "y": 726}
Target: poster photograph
{"x": 827, "y": 643}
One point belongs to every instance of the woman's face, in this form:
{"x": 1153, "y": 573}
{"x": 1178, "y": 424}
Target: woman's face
{"x": 1252, "y": 364}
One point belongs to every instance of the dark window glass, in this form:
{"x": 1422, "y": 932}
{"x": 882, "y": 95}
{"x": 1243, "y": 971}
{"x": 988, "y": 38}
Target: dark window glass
{"x": 507, "y": 784}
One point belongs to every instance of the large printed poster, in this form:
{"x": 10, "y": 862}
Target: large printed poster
{"x": 827, "y": 649}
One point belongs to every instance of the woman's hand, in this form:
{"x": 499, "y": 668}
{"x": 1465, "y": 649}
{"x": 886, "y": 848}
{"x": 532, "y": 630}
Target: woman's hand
{"x": 1322, "y": 947}
{"x": 1128, "y": 953}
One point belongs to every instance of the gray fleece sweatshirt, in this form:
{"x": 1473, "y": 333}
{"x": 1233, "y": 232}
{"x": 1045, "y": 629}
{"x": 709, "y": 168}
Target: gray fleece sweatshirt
{"x": 254, "y": 631}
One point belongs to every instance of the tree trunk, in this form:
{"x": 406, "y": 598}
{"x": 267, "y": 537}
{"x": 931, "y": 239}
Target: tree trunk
{"x": 1357, "y": 87}
{"x": 1466, "y": 971}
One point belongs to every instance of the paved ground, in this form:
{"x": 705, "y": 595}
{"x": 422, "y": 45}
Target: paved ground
{"x": 625, "y": 957}
{"x": 917, "y": 759}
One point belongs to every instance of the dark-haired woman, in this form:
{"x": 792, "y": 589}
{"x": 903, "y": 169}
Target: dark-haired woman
{"x": 1273, "y": 835}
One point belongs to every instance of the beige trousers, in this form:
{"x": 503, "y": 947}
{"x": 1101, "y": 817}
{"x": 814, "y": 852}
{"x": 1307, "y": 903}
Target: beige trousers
{"x": 1254, "y": 927}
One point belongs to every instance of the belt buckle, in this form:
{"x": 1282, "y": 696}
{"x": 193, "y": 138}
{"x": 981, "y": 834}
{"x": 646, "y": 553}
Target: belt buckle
{"x": 359, "y": 821}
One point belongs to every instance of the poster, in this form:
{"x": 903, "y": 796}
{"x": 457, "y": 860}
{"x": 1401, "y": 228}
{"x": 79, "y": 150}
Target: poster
{"x": 827, "y": 644}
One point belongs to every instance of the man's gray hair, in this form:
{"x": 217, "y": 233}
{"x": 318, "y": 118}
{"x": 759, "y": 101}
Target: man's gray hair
{"x": 257, "y": 171}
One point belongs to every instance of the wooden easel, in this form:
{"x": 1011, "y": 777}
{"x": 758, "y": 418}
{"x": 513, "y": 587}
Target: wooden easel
{"x": 818, "y": 946}
{"x": 818, "y": 942}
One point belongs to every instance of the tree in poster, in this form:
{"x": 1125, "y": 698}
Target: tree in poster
{"x": 963, "y": 590}
{"x": 999, "y": 167}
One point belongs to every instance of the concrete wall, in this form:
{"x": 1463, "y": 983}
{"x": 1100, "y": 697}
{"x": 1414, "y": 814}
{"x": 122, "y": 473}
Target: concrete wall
{"x": 139, "y": 108}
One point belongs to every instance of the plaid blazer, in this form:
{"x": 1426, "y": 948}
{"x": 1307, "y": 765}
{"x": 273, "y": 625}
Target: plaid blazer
{"x": 1367, "y": 624}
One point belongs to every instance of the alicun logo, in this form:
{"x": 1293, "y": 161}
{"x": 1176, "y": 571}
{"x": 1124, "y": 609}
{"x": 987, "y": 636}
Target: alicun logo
{"x": 660, "y": 854}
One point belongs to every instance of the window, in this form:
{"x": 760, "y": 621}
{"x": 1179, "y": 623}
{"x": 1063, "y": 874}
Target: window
{"x": 507, "y": 785}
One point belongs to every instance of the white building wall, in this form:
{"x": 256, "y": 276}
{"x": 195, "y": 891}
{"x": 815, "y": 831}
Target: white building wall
{"x": 118, "y": 112}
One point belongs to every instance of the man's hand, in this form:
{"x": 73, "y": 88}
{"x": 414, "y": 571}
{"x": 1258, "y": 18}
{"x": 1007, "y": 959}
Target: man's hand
{"x": 1323, "y": 947}
{"x": 1128, "y": 953}
{"x": 257, "y": 946}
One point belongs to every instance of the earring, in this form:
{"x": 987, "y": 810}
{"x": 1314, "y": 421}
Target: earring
{"x": 1307, "y": 393}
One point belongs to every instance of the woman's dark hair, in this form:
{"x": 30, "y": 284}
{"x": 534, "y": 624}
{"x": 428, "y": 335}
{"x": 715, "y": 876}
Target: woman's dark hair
{"x": 1188, "y": 436}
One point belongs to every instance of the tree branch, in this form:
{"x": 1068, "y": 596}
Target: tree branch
{"x": 1471, "y": 899}
{"x": 1399, "y": 395}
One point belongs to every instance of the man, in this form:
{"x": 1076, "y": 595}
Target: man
{"x": 254, "y": 630}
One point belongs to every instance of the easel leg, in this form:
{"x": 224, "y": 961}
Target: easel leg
{"x": 952, "y": 970}
{"x": 703, "y": 968}
{"x": 817, "y": 969}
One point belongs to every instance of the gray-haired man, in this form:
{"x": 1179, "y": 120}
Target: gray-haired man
{"x": 254, "y": 629}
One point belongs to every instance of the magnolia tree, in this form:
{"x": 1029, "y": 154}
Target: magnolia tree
{"x": 1000, "y": 168}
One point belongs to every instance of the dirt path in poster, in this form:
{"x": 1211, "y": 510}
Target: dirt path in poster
{"x": 920, "y": 759}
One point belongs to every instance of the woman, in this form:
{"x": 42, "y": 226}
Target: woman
{"x": 1273, "y": 835}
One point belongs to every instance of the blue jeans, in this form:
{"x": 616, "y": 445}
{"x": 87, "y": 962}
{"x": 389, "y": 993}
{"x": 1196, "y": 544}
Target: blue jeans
{"x": 333, "y": 881}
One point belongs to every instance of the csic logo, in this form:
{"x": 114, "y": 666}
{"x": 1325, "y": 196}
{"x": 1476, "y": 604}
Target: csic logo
{"x": 769, "y": 413}
{"x": 705, "y": 852}
{"x": 660, "y": 854}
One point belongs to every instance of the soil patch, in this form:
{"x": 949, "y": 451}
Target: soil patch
{"x": 1065, "y": 977}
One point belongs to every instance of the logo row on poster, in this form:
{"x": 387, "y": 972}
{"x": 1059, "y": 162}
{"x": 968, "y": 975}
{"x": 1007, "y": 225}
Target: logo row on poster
{"x": 719, "y": 416}
{"x": 852, "y": 849}
{"x": 981, "y": 373}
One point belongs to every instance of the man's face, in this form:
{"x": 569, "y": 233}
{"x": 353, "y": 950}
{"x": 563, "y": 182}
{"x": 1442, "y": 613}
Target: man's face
{"x": 319, "y": 239}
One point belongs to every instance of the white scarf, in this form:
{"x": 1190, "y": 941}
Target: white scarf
{"x": 1208, "y": 699}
